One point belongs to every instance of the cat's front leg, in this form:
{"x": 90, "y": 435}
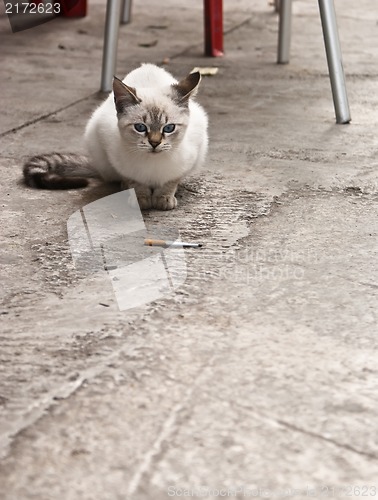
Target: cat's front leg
{"x": 143, "y": 193}
{"x": 163, "y": 198}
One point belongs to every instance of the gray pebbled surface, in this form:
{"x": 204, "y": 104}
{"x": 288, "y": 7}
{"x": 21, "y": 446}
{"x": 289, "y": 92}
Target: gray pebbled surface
{"x": 261, "y": 370}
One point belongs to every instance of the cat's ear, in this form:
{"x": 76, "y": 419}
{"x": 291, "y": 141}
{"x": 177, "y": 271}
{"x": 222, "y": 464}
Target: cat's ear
{"x": 187, "y": 88}
{"x": 124, "y": 95}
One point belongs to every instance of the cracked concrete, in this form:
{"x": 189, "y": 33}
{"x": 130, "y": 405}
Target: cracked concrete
{"x": 260, "y": 372}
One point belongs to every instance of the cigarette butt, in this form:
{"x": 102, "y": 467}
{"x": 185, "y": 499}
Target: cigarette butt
{"x": 110, "y": 268}
{"x": 172, "y": 244}
{"x": 155, "y": 243}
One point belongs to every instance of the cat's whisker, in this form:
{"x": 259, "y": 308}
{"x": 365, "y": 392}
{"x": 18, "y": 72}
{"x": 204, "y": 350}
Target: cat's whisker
{"x": 137, "y": 148}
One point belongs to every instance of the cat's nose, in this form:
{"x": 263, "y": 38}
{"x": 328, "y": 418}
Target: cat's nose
{"x": 154, "y": 144}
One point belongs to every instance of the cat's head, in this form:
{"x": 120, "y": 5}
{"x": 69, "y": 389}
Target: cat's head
{"x": 154, "y": 120}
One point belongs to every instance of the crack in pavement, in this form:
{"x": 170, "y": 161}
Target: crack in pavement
{"x": 328, "y": 440}
{"x": 46, "y": 115}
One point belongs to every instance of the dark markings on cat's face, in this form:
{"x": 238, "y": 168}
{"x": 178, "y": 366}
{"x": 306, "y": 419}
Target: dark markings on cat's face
{"x": 157, "y": 117}
{"x": 154, "y": 138}
{"x": 156, "y": 133}
{"x": 151, "y": 126}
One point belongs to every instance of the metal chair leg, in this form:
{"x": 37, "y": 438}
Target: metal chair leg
{"x": 109, "y": 55}
{"x": 284, "y": 34}
{"x": 335, "y": 66}
{"x": 126, "y": 12}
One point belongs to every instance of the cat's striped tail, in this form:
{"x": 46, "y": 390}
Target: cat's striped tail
{"x": 58, "y": 171}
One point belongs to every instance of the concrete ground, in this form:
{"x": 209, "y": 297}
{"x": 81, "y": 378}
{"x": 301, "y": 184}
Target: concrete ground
{"x": 259, "y": 376}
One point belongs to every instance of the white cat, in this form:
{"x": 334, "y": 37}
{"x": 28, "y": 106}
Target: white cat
{"x": 149, "y": 133}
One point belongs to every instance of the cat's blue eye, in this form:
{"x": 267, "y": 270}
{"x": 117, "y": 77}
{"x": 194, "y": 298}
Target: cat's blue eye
{"x": 140, "y": 127}
{"x": 168, "y": 129}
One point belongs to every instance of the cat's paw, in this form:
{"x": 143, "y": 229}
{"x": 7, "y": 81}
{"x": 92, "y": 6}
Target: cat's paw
{"x": 125, "y": 185}
{"x": 164, "y": 202}
{"x": 143, "y": 194}
{"x": 145, "y": 202}
{"x": 141, "y": 201}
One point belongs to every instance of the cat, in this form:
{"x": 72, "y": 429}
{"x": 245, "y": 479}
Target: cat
{"x": 148, "y": 134}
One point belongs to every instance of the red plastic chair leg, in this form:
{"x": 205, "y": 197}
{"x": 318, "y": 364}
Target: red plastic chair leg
{"x": 213, "y": 13}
